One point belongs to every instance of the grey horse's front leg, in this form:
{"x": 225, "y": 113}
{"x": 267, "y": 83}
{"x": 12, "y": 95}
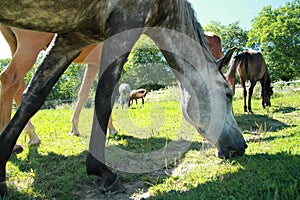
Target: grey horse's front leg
{"x": 67, "y": 47}
{"x": 115, "y": 52}
{"x": 95, "y": 162}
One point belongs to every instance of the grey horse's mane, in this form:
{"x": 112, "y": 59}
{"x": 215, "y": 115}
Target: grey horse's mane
{"x": 190, "y": 15}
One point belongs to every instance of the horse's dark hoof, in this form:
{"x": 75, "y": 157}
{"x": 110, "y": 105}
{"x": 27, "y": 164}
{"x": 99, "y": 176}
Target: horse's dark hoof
{"x": 3, "y": 189}
{"x": 106, "y": 180}
{"x": 17, "y": 149}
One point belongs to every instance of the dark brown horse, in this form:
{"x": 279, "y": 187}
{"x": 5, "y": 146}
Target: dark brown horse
{"x": 137, "y": 94}
{"x": 251, "y": 66}
{"x": 172, "y": 25}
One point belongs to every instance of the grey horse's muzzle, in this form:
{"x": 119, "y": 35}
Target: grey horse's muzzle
{"x": 231, "y": 152}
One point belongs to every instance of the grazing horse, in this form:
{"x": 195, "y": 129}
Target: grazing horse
{"x": 27, "y": 44}
{"x": 172, "y": 25}
{"x": 250, "y": 66}
{"x": 124, "y": 91}
{"x": 137, "y": 94}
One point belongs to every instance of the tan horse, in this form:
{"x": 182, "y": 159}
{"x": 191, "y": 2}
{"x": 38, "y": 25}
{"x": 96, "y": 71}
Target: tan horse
{"x": 25, "y": 46}
{"x": 137, "y": 94}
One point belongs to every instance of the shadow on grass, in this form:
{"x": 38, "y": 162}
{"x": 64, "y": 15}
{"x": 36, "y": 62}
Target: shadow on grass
{"x": 64, "y": 177}
{"x": 59, "y": 177}
{"x": 285, "y": 110}
{"x": 261, "y": 176}
{"x": 145, "y": 145}
{"x": 56, "y": 176}
{"x": 260, "y": 122}
{"x": 272, "y": 137}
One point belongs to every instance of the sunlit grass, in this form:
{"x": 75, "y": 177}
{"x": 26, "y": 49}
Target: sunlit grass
{"x": 269, "y": 170}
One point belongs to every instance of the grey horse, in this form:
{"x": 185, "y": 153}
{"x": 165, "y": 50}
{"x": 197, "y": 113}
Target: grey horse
{"x": 172, "y": 25}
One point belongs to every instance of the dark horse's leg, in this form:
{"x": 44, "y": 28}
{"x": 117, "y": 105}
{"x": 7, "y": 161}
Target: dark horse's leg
{"x": 67, "y": 47}
{"x": 115, "y": 52}
{"x": 244, "y": 94}
{"x": 263, "y": 90}
{"x": 143, "y": 101}
{"x": 128, "y": 103}
{"x": 95, "y": 162}
{"x": 252, "y": 85}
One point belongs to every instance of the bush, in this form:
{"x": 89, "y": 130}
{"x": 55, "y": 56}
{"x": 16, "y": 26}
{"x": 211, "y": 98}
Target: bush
{"x": 152, "y": 86}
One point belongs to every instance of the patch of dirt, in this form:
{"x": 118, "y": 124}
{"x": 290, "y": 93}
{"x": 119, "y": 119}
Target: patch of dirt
{"x": 134, "y": 190}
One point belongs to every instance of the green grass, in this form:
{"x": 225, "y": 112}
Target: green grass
{"x": 269, "y": 170}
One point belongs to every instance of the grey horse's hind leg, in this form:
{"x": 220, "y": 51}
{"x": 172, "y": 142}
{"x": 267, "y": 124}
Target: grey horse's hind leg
{"x": 66, "y": 48}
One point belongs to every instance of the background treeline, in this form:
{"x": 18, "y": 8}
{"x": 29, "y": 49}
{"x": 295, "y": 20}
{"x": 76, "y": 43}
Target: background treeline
{"x": 274, "y": 32}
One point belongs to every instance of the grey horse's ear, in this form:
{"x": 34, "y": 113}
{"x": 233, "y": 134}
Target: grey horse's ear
{"x": 225, "y": 60}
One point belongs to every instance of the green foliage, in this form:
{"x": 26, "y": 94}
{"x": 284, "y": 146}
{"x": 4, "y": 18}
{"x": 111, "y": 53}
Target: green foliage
{"x": 276, "y": 32}
{"x": 146, "y": 65}
{"x": 69, "y": 83}
{"x": 67, "y": 86}
{"x": 4, "y": 63}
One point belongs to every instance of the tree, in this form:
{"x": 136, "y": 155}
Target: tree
{"x": 68, "y": 85}
{"x": 231, "y": 36}
{"x": 276, "y": 32}
{"x": 146, "y": 66}
{"x": 4, "y": 63}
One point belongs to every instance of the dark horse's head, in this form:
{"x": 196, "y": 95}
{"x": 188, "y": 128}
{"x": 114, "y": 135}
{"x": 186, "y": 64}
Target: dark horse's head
{"x": 268, "y": 92}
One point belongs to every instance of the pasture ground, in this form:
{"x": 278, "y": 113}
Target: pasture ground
{"x": 269, "y": 170}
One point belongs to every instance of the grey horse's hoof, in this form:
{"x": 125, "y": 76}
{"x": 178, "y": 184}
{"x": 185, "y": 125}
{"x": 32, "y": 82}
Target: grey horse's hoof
{"x": 105, "y": 178}
{"x": 3, "y": 189}
{"x": 17, "y": 149}
{"x": 115, "y": 187}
